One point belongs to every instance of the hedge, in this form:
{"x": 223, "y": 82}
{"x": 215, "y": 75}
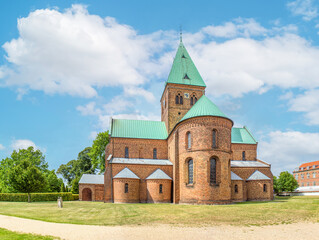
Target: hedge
{"x": 75, "y": 197}
{"x": 37, "y": 197}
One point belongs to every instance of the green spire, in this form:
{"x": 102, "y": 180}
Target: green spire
{"x": 183, "y": 70}
{"x": 204, "y": 107}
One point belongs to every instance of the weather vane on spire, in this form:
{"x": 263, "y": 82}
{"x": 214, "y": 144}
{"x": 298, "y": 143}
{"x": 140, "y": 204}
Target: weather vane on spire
{"x": 180, "y": 33}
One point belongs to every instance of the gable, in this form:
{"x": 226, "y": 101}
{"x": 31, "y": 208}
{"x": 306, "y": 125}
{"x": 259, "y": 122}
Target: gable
{"x": 242, "y": 135}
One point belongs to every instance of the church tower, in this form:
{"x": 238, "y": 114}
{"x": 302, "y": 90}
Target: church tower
{"x": 183, "y": 88}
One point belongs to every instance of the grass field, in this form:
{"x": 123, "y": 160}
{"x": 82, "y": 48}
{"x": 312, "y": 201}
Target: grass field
{"x": 8, "y": 235}
{"x": 282, "y": 210}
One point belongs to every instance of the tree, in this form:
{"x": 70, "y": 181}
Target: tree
{"x": 27, "y": 178}
{"x": 54, "y": 183}
{"x": 286, "y": 182}
{"x": 75, "y": 168}
{"x": 276, "y": 184}
{"x": 34, "y": 157}
{"x": 75, "y": 186}
{"x": 62, "y": 188}
{"x": 97, "y": 153}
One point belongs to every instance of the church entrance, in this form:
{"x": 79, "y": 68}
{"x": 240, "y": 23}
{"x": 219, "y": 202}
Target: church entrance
{"x": 87, "y": 194}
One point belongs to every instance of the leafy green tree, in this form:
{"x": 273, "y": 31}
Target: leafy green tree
{"x": 97, "y": 153}
{"x": 68, "y": 171}
{"x": 276, "y": 184}
{"x": 5, "y": 165}
{"x": 62, "y": 188}
{"x": 27, "y": 178}
{"x": 34, "y": 157}
{"x": 286, "y": 182}
{"x": 75, "y": 186}
{"x": 75, "y": 168}
{"x": 54, "y": 183}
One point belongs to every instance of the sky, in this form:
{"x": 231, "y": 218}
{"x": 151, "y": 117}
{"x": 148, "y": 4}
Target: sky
{"x": 66, "y": 67}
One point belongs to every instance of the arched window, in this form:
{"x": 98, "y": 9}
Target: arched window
{"x": 193, "y": 100}
{"x": 244, "y": 156}
{"x": 154, "y": 153}
{"x": 214, "y": 144}
{"x": 265, "y": 187}
{"x": 161, "y": 188}
{"x": 212, "y": 177}
{"x": 126, "y": 152}
{"x": 236, "y": 188}
{"x": 126, "y": 188}
{"x": 189, "y": 140}
{"x": 190, "y": 171}
{"x": 181, "y": 100}
{"x": 177, "y": 99}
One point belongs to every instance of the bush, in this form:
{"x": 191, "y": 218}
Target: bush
{"x": 36, "y": 197}
{"x": 14, "y": 197}
{"x": 75, "y": 197}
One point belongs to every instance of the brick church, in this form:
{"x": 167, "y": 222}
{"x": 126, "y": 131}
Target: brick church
{"x": 193, "y": 155}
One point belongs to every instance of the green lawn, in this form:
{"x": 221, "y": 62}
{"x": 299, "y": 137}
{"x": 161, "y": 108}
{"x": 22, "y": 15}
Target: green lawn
{"x": 8, "y": 235}
{"x": 281, "y": 211}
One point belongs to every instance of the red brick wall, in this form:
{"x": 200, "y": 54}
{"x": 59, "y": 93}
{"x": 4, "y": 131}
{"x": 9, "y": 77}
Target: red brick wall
{"x": 201, "y": 152}
{"x": 153, "y": 194}
{"x": 245, "y": 173}
{"x": 239, "y": 196}
{"x": 305, "y": 182}
{"x": 174, "y": 112}
{"x": 96, "y": 189}
{"x": 250, "y": 151}
{"x": 138, "y": 148}
{"x": 142, "y": 171}
{"x": 132, "y": 196}
{"x": 255, "y": 190}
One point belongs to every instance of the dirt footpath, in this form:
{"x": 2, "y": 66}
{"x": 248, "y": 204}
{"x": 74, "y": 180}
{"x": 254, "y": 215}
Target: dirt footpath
{"x": 72, "y": 231}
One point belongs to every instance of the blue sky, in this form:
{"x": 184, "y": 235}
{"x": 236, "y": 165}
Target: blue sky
{"x": 64, "y": 65}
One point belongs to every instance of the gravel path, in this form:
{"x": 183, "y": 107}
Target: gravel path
{"x": 73, "y": 231}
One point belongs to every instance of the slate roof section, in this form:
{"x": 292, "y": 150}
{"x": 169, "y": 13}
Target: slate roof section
{"x": 203, "y": 107}
{"x": 92, "y": 179}
{"x": 141, "y": 161}
{"x": 242, "y": 135}
{"x": 257, "y": 176}
{"x": 144, "y": 129}
{"x": 158, "y": 174}
{"x": 235, "y": 163}
{"x": 126, "y": 173}
{"x": 183, "y": 70}
{"x": 234, "y": 176}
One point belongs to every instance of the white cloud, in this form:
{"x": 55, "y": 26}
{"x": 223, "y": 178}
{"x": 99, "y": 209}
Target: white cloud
{"x": 73, "y": 52}
{"x": 244, "y": 65}
{"x": 304, "y": 8}
{"x": 89, "y": 109}
{"x": 23, "y": 144}
{"x": 2, "y": 147}
{"x": 307, "y": 103}
{"x": 287, "y": 150}
{"x": 240, "y": 27}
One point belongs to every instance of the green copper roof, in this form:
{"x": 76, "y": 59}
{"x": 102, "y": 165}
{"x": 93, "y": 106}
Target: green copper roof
{"x": 242, "y": 135}
{"x": 183, "y": 70}
{"x": 138, "y": 129}
{"x": 203, "y": 107}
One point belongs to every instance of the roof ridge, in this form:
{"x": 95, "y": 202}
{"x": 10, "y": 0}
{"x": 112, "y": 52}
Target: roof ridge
{"x": 250, "y": 133}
